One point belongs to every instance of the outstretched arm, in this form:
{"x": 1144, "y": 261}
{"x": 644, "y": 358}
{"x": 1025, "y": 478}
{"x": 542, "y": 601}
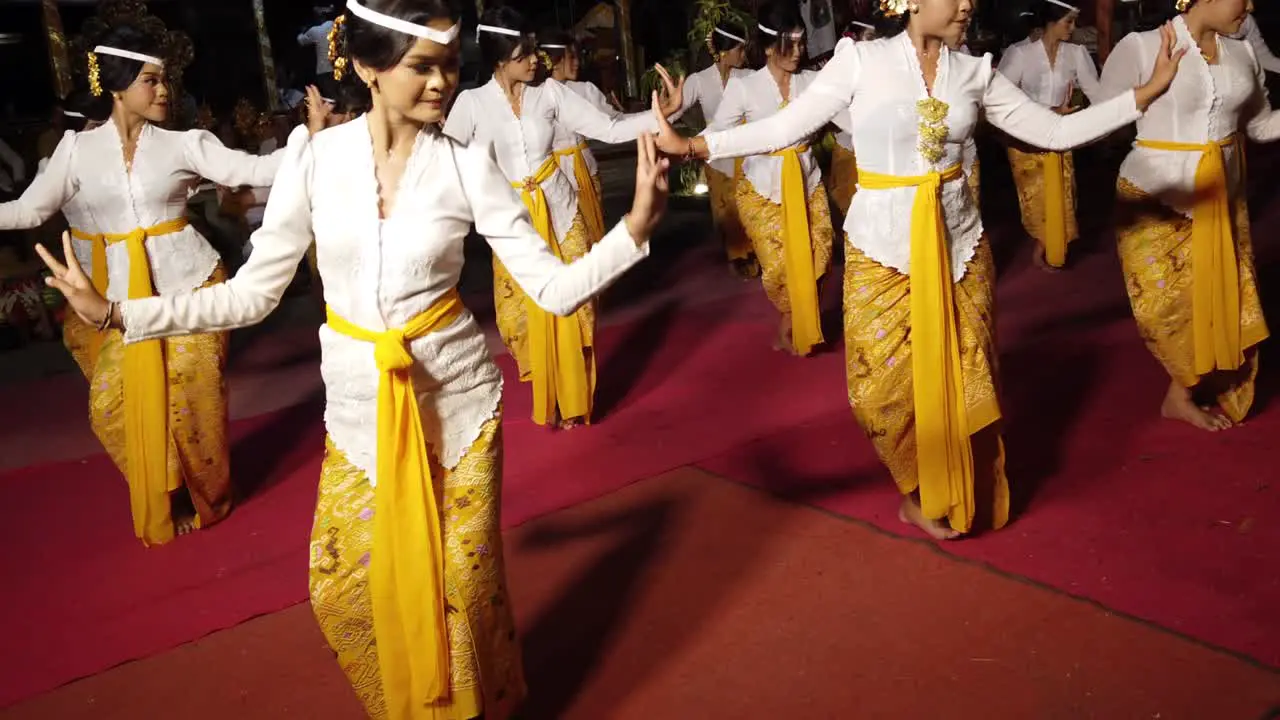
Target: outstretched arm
{"x": 831, "y": 92}
{"x": 554, "y": 285}
{"x": 46, "y": 194}
{"x": 207, "y": 157}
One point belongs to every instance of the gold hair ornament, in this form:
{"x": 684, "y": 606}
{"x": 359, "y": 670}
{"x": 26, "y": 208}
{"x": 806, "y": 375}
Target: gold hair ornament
{"x": 336, "y": 55}
{"x": 893, "y": 8}
{"x": 1182, "y": 5}
{"x": 95, "y": 79}
{"x": 546, "y": 60}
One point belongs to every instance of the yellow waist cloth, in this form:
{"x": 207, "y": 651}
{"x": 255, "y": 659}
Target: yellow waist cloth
{"x": 98, "y": 274}
{"x": 944, "y": 457}
{"x": 146, "y": 403}
{"x": 1215, "y": 274}
{"x": 556, "y": 361}
{"x": 406, "y": 572}
{"x": 802, "y": 285}
{"x": 1055, "y": 210}
{"x": 588, "y": 200}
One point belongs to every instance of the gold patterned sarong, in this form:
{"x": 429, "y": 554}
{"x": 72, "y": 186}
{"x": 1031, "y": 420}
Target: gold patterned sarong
{"x": 590, "y": 198}
{"x": 763, "y": 221}
{"x": 1046, "y": 183}
{"x": 485, "y": 674}
{"x": 1155, "y": 244}
{"x": 197, "y": 456}
{"x": 877, "y": 331}
{"x": 724, "y": 211}
{"x": 842, "y": 181}
{"x": 82, "y": 341}
{"x": 973, "y": 176}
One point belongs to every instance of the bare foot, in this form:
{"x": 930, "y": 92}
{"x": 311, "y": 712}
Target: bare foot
{"x": 909, "y": 513}
{"x": 184, "y": 525}
{"x": 1038, "y": 257}
{"x": 744, "y": 268}
{"x": 1178, "y": 405}
{"x": 570, "y": 424}
{"x": 783, "y": 340}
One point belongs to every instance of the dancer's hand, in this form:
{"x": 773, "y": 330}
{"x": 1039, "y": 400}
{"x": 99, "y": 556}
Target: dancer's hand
{"x": 672, "y": 98}
{"x": 318, "y": 110}
{"x": 71, "y": 281}
{"x": 652, "y": 188}
{"x": 1166, "y": 67}
{"x": 1065, "y": 108}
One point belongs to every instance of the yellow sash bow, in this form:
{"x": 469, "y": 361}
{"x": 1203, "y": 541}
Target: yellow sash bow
{"x": 98, "y": 275}
{"x": 588, "y": 198}
{"x": 797, "y": 243}
{"x": 146, "y": 402}
{"x": 406, "y": 572}
{"x": 1215, "y": 272}
{"x": 944, "y": 457}
{"x": 559, "y": 367}
{"x": 1055, "y": 210}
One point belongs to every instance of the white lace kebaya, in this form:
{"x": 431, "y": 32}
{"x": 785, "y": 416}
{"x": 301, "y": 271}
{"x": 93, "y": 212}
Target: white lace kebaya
{"x": 89, "y": 166}
{"x": 879, "y": 83}
{"x": 381, "y": 273}
{"x": 1204, "y": 103}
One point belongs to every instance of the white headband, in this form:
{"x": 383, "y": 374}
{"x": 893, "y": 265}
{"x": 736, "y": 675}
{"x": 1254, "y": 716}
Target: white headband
{"x": 1059, "y": 3}
{"x": 868, "y": 26}
{"x": 793, "y": 35}
{"x": 729, "y": 35}
{"x": 550, "y": 46}
{"x": 497, "y": 31}
{"x": 73, "y": 113}
{"x": 128, "y": 55}
{"x": 404, "y": 26}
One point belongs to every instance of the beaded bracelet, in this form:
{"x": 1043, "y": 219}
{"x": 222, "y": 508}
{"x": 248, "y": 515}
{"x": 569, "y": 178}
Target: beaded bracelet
{"x": 106, "y": 319}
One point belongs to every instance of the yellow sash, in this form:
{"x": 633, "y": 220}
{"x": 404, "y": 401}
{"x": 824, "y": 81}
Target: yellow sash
{"x": 98, "y": 275}
{"x": 1215, "y": 273}
{"x": 557, "y": 363}
{"x": 406, "y": 572}
{"x": 588, "y": 199}
{"x": 1055, "y": 210}
{"x": 146, "y": 403}
{"x": 944, "y": 457}
{"x": 797, "y": 243}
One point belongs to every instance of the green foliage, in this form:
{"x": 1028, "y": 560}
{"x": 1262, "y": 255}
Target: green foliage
{"x": 675, "y": 64}
{"x": 708, "y": 14}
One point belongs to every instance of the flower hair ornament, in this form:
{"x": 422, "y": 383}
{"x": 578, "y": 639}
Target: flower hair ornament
{"x": 893, "y": 8}
{"x": 95, "y": 72}
{"x": 337, "y": 57}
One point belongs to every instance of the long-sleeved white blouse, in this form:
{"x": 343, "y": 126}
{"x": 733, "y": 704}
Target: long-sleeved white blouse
{"x": 522, "y": 144}
{"x": 1250, "y": 33}
{"x": 751, "y": 99}
{"x": 381, "y": 273}
{"x": 705, "y": 89}
{"x": 1028, "y": 67}
{"x": 1204, "y": 103}
{"x": 90, "y": 167}
{"x": 880, "y": 84}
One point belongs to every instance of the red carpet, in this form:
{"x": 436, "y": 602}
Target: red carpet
{"x": 1152, "y": 519}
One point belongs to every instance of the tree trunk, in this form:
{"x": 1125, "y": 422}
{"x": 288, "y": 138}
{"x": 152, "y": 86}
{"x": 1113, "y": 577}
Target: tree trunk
{"x": 626, "y": 47}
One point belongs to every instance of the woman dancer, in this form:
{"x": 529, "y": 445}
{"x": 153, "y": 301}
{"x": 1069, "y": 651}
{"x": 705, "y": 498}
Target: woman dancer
{"x": 727, "y": 45}
{"x": 160, "y": 407}
{"x": 781, "y": 199}
{"x": 576, "y": 161}
{"x": 1183, "y": 223}
{"x": 407, "y": 577}
{"x": 556, "y": 355}
{"x": 919, "y": 278}
{"x": 1048, "y": 71}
